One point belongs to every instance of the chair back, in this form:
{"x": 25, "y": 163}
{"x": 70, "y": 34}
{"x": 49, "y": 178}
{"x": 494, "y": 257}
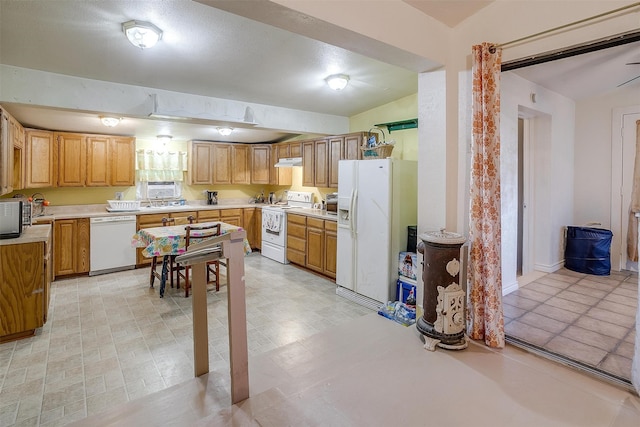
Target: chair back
{"x": 203, "y": 232}
{"x": 168, "y": 221}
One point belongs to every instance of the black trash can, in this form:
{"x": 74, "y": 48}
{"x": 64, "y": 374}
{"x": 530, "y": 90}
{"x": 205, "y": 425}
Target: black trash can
{"x": 588, "y": 250}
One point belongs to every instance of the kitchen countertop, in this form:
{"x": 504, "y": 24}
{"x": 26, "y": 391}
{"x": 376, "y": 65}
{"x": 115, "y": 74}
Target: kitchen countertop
{"x": 35, "y": 233}
{"x": 100, "y": 210}
{"x": 316, "y": 213}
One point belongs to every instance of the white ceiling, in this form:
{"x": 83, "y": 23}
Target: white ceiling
{"x": 211, "y": 52}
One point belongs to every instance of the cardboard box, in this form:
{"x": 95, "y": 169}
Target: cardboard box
{"x": 408, "y": 265}
{"x": 404, "y": 288}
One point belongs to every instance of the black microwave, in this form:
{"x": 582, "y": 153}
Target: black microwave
{"x": 11, "y": 217}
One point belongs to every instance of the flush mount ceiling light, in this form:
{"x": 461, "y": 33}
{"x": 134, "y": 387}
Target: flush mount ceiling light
{"x": 110, "y": 121}
{"x": 225, "y": 131}
{"x": 142, "y": 34}
{"x": 164, "y": 138}
{"x": 337, "y": 81}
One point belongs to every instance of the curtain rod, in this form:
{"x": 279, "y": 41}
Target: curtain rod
{"x": 582, "y": 21}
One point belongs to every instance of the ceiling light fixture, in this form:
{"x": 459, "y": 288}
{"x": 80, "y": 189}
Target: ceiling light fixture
{"x": 225, "y": 131}
{"x": 142, "y": 34}
{"x": 164, "y": 138}
{"x": 337, "y": 81}
{"x": 110, "y": 121}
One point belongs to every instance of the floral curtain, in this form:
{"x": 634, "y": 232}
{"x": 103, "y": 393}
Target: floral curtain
{"x": 485, "y": 318}
{"x": 160, "y": 166}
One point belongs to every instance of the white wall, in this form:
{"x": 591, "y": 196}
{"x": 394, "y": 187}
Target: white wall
{"x": 552, "y": 145}
{"x": 593, "y": 161}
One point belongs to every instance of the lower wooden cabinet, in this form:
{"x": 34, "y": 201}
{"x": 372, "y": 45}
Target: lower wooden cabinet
{"x": 297, "y": 239}
{"x": 330, "y": 248}
{"x": 24, "y": 289}
{"x": 71, "y": 247}
{"x": 232, "y": 216}
{"x": 315, "y": 244}
{"x": 312, "y": 243}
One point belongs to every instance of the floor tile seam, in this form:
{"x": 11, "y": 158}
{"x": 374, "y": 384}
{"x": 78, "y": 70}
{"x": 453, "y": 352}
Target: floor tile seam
{"x": 6, "y": 371}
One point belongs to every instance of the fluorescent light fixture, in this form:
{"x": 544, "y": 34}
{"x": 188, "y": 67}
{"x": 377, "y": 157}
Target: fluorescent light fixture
{"x": 164, "y": 138}
{"x": 225, "y": 131}
{"x": 142, "y": 34}
{"x": 337, "y": 81}
{"x": 110, "y": 121}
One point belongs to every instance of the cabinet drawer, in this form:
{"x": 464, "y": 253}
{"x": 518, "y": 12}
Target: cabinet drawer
{"x": 297, "y": 219}
{"x": 296, "y": 243}
{"x": 230, "y": 213}
{"x": 315, "y": 223}
{"x": 151, "y": 220}
{"x": 183, "y": 217}
{"x": 297, "y": 230}
{"x": 296, "y": 257}
{"x": 209, "y": 215}
{"x": 331, "y": 225}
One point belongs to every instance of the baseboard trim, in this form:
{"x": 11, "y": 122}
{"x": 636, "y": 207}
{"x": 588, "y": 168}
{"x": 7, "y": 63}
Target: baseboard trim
{"x": 510, "y": 288}
{"x": 549, "y": 268}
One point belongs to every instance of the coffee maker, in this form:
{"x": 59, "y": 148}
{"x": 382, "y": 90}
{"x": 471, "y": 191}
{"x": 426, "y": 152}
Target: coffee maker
{"x": 212, "y": 197}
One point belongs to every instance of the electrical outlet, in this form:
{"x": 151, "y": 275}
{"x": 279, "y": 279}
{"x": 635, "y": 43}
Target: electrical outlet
{"x": 119, "y": 195}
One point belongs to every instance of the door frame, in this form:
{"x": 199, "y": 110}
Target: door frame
{"x": 617, "y": 210}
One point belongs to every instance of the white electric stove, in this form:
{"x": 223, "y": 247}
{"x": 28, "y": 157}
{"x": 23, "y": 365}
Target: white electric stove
{"x": 274, "y": 224}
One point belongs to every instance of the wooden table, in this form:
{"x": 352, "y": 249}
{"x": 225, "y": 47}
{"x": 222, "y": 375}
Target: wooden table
{"x": 167, "y": 241}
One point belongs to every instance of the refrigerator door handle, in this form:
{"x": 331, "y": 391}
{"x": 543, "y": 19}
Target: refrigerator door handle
{"x": 352, "y": 211}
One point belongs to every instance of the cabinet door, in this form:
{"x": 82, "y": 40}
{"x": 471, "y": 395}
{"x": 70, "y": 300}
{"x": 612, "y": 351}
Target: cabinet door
{"x": 330, "y": 248}
{"x": 315, "y": 244}
{"x": 336, "y": 145}
{"x": 65, "y": 247}
{"x": 231, "y": 216}
{"x": 295, "y": 149}
{"x": 200, "y": 160}
{"x": 249, "y": 221}
{"x": 308, "y": 163}
{"x": 240, "y": 164}
{"x": 72, "y": 159}
{"x": 40, "y": 167}
{"x": 6, "y": 154}
{"x": 279, "y": 176}
{"x": 21, "y": 287}
{"x": 258, "y": 225}
{"x": 97, "y": 161}
{"x": 83, "y": 245}
{"x": 19, "y": 154}
{"x": 221, "y": 163}
{"x": 123, "y": 154}
{"x": 260, "y": 164}
{"x": 321, "y": 163}
{"x": 352, "y": 144}
{"x": 296, "y": 239}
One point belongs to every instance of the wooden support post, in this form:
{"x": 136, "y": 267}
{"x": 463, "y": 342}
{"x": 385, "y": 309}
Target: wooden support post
{"x": 200, "y": 329}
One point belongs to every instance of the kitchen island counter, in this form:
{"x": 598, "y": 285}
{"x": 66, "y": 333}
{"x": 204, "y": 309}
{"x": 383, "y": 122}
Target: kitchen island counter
{"x": 35, "y": 233}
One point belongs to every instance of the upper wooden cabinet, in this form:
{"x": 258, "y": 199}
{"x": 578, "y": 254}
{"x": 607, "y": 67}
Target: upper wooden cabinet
{"x": 94, "y": 160}
{"x": 352, "y": 144}
{"x": 261, "y": 164}
{"x": 41, "y": 159}
{"x": 295, "y": 149}
{"x": 97, "y": 161}
{"x": 279, "y": 176}
{"x": 19, "y": 153}
{"x": 308, "y": 163}
{"x": 240, "y": 164}
{"x": 221, "y": 163}
{"x": 200, "y": 169}
{"x": 123, "y": 156}
{"x": 335, "y": 154}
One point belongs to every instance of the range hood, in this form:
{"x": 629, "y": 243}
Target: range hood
{"x": 289, "y": 162}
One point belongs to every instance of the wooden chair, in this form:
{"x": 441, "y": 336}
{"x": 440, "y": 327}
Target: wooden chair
{"x": 154, "y": 262}
{"x": 213, "y": 267}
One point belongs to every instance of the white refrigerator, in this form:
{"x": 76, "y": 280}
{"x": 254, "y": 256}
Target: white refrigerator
{"x": 377, "y": 201}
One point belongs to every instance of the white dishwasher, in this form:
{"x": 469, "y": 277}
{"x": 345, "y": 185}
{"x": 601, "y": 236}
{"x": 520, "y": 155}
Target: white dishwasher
{"x": 110, "y": 244}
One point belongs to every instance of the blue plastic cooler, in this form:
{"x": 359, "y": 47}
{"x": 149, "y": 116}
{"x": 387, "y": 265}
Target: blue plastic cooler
{"x": 588, "y": 250}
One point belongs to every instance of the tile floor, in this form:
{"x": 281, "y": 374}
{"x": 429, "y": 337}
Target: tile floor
{"x": 590, "y": 319}
{"x": 110, "y": 339}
